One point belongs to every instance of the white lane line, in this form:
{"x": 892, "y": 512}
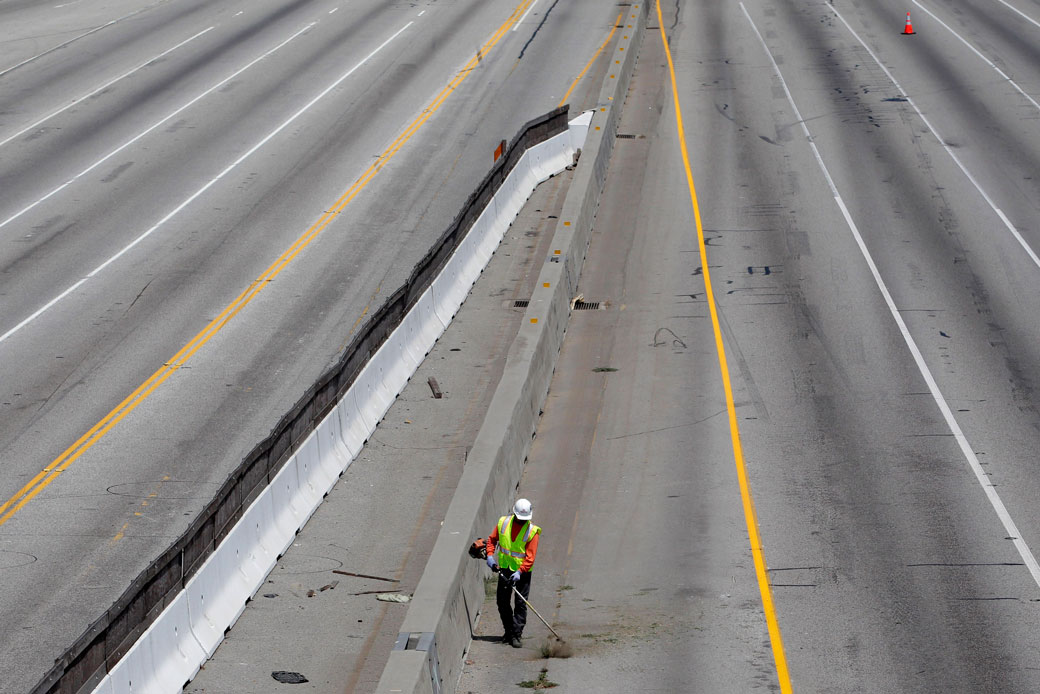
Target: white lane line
{"x": 517, "y": 25}
{"x": 333, "y": 10}
{"x": 942, "y": 141}
{"x": 106, "y": 85}
{"x": 1020, "y": 13}
{"x": 984, "y": 58}
{"x": 36, "y": 314}
{"x": 421, "y": 13}
{"x": 72, "y": 40}
{"x": 151, "y": 128}
{"x": 984, "y": 481}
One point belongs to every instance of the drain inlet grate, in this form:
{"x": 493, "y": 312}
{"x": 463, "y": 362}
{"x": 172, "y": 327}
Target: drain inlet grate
{"x": 521, "y": 303}
{"x": 625, "y": 136}
{"x": 586, "y": 305}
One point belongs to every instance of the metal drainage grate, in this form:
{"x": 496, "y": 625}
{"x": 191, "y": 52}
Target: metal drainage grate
{"x": 521, "y": 303}
{"x": 586, "y": 305}
{"x": 625, "y": 136}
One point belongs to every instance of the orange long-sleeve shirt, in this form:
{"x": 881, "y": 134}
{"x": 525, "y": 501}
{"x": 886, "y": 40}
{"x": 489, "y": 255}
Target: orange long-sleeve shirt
{"x": 530, "y": 552}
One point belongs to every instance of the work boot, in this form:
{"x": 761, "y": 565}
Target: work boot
{"x": 515, "y": 642}
{"x": 506, "y": 638}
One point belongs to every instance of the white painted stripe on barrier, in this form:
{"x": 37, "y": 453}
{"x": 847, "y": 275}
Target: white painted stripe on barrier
{"x": 171, "y": 651}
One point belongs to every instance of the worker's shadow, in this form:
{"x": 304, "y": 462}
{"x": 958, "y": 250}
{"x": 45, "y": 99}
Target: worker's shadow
{"x": 488, "y": 638}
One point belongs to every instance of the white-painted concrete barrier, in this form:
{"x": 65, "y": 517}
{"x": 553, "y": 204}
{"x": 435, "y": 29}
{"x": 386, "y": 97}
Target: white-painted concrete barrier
{"x": 190, "y": 629}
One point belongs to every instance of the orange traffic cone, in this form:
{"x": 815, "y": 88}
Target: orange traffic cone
{"x": 909, "y": 28}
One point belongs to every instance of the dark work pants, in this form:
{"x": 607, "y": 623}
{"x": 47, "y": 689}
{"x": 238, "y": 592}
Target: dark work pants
{"x": 513, "y": 618}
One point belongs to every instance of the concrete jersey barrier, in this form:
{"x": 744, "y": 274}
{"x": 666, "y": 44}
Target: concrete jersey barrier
{"x": 437, "y": 629}
{"x": 188, "y": 631}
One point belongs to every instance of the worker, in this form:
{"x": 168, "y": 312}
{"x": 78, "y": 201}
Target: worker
{"x": 511, "y": 549}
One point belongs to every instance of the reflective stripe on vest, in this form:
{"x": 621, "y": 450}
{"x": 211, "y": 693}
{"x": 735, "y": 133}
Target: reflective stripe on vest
{"x": 511, "y": 553}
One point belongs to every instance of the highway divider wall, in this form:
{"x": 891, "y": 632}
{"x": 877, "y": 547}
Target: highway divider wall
{"x": 438, "y": 627}
{"x": 175, "y": 614}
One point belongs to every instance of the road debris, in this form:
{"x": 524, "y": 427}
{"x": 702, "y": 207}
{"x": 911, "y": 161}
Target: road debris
{"x": 393, "y": 597}
{"x": 374, "y": 578}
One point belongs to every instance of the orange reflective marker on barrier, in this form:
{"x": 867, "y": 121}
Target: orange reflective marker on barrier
{"x": 500, "y": 149}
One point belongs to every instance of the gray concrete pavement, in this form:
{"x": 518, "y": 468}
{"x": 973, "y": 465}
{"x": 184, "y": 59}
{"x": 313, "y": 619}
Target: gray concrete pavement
{"x": 889, "y": 569}
{"x": 77, "y": 544}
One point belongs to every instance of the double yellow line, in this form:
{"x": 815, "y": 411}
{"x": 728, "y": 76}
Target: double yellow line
{"x": 128, "y": 405}
{"x": 617, "y": 23}
{"x": 750, "y": 518}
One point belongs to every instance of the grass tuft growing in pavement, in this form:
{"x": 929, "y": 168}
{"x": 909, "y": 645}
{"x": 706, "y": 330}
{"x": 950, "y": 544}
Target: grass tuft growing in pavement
{"x": 541, "y": 683}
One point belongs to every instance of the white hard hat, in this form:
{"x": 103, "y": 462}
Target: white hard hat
{"x": 522, "y": 509}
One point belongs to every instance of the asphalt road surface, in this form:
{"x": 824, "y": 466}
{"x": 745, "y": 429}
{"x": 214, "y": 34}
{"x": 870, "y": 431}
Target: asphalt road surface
{"x": 869, "y": 203}
{"x": 160, "y": 164}
{"x": 870, "y": 206}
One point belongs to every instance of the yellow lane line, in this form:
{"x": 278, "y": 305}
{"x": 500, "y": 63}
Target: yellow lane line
{"x": 738, "y": 453}
{"x": 585, "y": 69}
{"x": 130, "y": 403}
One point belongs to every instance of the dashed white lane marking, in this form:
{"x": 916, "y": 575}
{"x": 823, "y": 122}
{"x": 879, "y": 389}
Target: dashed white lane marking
{"x": 103, "y": 87}
{"x": 986, "y": 60}
{"x": 1020, "y": 13}
{"x": 72, "y": 40}
{"x": 942, "y": 141}
{"x": 208, "y": 185}
{"x": 151, "y": 128}
{"x": 984, "y": 481}
{"x": 518, "y": 22}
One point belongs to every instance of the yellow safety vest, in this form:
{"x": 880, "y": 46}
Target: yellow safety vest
{"x": 511, "y": 553}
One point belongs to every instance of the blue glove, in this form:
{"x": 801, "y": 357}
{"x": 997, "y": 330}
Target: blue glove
{"x": 515, "y": 578}
{"x": 491, "y": 562}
